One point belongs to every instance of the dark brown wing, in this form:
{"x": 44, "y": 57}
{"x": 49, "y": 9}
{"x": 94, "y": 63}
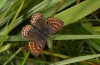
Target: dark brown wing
{"x": 54, "y": 25}
{"x": 36, "y": 48}
{"x": 36, "y": 41}
{"x": 39, "y": 21}
{"x": 30, "y": 33}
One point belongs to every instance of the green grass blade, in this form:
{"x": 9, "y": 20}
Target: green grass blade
{"x": 13, "y": 56}
{"x": 5, "y": 47}
{"x": 76, "y": 59}
{"x": 25, "y": 59}
{"x": 11, "y": 24}
{"x": 78, "y": 11}
{"x": 2, "y": 2}
{"x": 78, "y": 28}
{"x": 56, "y": 37}
{"x": 55, "y": 54}
{"x": 6, "y": 12}
{"x": 74, "y": 37}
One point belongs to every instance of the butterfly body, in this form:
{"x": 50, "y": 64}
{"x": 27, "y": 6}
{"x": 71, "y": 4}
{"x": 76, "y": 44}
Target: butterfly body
{"x": 39, "y": 30}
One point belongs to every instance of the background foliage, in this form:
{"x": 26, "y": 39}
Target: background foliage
{"x": 77, "y": 43}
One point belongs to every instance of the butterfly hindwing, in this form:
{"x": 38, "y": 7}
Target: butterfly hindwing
{"x": 36, "y": 48}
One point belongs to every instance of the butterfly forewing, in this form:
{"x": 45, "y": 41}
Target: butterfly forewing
{"x": 30, "y": 33}
{"x": 54, "y": 25}
{"x": 39, "y": 21}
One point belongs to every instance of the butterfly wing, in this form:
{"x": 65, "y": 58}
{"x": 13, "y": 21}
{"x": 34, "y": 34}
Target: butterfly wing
{"x": 36, "y": 41}
{"x": 38, "y": 20}
{"x": 36, "y": 48}
{"x": 30, "y": 33}
{"x": 54, "y": 25}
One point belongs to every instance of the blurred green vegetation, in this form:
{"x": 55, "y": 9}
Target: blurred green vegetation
{"x": 77, "y": 43}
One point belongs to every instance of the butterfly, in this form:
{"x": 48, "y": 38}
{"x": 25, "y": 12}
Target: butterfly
{"x": 39, "y": 30}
